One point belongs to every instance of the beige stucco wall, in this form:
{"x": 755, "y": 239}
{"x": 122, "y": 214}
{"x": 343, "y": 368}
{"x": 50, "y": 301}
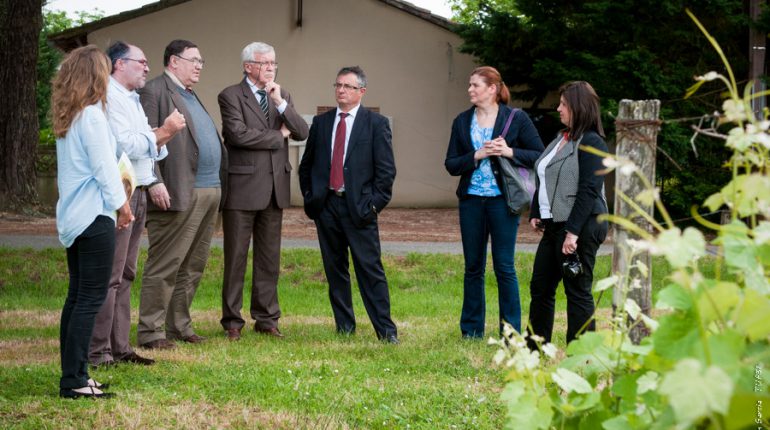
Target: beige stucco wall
{"x": 416, "y": 74}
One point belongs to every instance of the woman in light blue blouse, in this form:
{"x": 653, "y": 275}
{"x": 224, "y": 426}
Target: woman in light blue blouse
{"x": 91, "y": 199}
{"x": 474, "y": 148}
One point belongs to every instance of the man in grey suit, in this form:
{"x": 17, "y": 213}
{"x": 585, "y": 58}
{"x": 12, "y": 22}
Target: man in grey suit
{"x": 258, "y": 116}
{"x": 183, "y": 202}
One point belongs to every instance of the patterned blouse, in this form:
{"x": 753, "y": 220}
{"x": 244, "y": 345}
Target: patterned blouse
{"x": 483, "y": 181}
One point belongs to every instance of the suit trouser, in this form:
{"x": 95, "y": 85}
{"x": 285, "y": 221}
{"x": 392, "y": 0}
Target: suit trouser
{"x": 547, "y": 272}
{"x": 113, "y": 322}
{"x": 178, "y": 252}
{"x": 89, "y": 260}
{"x": 337, "y": 233}
{"x": 265, "y": 228}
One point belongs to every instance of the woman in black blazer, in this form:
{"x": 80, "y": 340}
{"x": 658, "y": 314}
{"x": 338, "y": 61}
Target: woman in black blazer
{"x": 568, "y": 199}
{"x": 474, "y": 148}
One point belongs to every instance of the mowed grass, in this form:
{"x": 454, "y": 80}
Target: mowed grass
{"x": 312, "y": 379}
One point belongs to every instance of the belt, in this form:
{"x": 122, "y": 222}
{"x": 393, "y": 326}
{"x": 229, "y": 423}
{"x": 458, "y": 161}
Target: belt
{"x": 142, "y": 187}
{"x": 337, "y": 193}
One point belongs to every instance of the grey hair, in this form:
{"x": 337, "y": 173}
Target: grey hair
{"x": 356, "y": 70}
{"x": 255, "y": 48}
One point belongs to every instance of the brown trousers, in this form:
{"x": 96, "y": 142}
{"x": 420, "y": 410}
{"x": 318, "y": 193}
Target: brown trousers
{"x": 265, "y": 228}
{"x": 109, "y": 341}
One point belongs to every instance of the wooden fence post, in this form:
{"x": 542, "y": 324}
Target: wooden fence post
{"x": 637, "y": 127}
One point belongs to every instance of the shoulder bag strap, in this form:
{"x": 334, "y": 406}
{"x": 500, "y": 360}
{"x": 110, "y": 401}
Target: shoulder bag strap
{"x": 508, "y": 122}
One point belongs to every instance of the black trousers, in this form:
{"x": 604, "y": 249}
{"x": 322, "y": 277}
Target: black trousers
{"x": 337, "y": 234}
{"x": 547, "y": 272}
{"x": 89, "y": 260}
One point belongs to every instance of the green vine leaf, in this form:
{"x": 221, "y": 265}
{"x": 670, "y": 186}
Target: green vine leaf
{"x": 570, "y": 381}
{"x": 526, "y": 410}
{"x": 681, "y": 249}
{"x": 674, "y": 296}
{"x": 694, "y": 392}
{"x": 752, "y": 317}
{"x": 717, "y": 299}
{"x": 606, "y": 283}
{"x": 677, "y": 336}
{"x": 741, "y": 253}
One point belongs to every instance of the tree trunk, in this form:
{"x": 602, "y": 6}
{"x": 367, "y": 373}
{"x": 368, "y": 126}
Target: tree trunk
{"x": 637, "y": 129}
{"x": 20, "y": 24}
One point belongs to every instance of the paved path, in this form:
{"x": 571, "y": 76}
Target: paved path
{"x": 394, "y": 248}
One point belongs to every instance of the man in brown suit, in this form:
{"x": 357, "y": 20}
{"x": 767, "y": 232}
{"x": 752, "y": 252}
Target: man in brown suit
{"x": 184, "y": 201}
{"x": 258, "y": 117}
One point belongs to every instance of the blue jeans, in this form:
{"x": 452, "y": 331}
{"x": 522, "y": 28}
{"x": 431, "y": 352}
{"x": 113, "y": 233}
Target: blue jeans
{"x": 480, "y": 218}
{"x": 89, "y": 260}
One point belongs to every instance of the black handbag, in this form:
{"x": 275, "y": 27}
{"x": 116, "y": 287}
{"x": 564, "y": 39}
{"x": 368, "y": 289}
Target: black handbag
{"x": 517, "y": 182}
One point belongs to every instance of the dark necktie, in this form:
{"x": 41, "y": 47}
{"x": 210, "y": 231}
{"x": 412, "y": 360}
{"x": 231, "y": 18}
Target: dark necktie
{"x": 263, "y": 103}
{"x": 336, "y": 178}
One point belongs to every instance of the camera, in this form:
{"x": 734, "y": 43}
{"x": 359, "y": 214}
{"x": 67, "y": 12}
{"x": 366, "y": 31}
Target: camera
{"x": 571, "y": 268}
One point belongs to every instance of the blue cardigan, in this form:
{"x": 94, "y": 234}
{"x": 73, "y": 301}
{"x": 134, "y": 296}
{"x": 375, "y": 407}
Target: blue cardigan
{"x": 522, "y": 136}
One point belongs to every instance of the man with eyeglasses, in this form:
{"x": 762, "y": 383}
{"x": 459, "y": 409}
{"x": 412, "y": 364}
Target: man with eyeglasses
{"x": 258, "y": 117}
{"x": 184, "y": 201}
{"x": 143, "y": 146}
{"x": 346, "y": 177}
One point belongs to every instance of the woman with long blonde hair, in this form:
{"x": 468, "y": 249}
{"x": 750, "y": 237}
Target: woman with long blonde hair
{"x": 90, "y": 193}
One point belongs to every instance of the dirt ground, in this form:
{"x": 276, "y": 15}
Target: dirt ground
{"x": 396, "y": 225}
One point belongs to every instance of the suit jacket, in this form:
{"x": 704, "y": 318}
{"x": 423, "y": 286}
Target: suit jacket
{"x": 574, "y": 185}
{"x": 258, "y": 153}
{"x": 159, "y": 98}
{"x": 522, "y": 136}
{"x": 369, "y": 168}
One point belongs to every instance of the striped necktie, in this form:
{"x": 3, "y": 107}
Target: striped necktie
{"x": 263, "y": 103}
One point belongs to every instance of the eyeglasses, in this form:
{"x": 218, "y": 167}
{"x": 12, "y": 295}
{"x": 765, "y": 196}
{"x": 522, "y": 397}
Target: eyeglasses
{"x": 345, "y": 87}
{"x": 196, "y": 61}
{"x": 142, "y": 62}
{"x": 264, "y": 63}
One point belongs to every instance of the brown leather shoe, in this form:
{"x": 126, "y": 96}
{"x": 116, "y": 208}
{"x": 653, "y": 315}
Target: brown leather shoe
{"x": 272, "y": 331}
{"x": 233, "y": 334}
{"x": 135, "y": 358}
{"x": 159, "y": 344}
{"x": 193, "y": 338}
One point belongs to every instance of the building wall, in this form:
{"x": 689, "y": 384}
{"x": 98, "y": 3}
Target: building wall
{"x": 416, "y": 75}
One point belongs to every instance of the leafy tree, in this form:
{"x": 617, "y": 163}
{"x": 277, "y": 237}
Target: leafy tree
{"x": 632, "y": 49}
{"x": 49, "y": 56}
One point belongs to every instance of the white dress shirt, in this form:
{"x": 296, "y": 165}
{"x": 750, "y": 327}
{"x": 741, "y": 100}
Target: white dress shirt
{"x": 132, "y": 131}
{"x": 348, "y": 127}
{"x": 281, "y": 107}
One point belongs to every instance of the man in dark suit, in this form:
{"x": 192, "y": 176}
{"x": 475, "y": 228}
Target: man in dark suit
{"x": 184, "y": 201}
{"x": 346, "y": 177}
{"x": 258, "y": 116}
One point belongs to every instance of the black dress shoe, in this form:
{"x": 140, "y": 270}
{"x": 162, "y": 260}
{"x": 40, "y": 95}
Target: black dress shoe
{"x": 233, "y": 334}
{"x": 135, "y": 358}
{"x": 88, "y": 392}
{"x": 391, "y": 339}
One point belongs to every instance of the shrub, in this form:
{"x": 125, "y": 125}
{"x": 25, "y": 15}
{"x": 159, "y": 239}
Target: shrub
{"x": 702, "y": 366}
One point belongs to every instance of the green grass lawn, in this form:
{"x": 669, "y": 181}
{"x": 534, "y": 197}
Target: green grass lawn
{"x": 313, "y": 378}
